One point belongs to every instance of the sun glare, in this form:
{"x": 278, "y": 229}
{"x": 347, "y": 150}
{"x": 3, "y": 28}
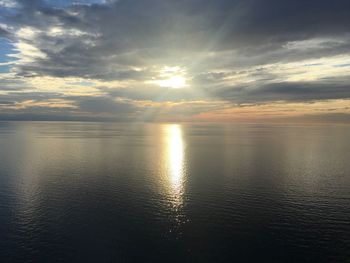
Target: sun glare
{"x": 172, "y": 77}
{"x": 174, "y": 82}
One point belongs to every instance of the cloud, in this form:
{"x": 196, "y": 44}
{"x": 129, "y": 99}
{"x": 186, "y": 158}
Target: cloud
{"x": 286, "y": 91}
{"x": 233, "y": 51}
{"x": 4, "y": 32}
{"x": 7, "y": 3}
{"x": 107, "y": 40}
{"x": 105, "y": 105}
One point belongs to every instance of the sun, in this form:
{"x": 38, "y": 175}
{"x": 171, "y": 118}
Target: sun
{"x": 174, "y": 82}
{"x": 172, "y": 77}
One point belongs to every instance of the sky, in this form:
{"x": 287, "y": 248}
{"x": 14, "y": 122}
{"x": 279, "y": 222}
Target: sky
{"x": 175, "y": 60}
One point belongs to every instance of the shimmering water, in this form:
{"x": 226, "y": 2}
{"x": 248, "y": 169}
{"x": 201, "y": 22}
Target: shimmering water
{"x": 97, "y": 192}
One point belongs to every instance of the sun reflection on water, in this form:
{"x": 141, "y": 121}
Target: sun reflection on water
{"x": 175, "y": 156}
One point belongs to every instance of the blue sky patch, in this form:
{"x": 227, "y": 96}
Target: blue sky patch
{"x": 6, "y": 48}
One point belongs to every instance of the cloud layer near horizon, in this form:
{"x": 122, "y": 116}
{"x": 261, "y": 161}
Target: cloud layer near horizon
{"x": 102, "y": 59}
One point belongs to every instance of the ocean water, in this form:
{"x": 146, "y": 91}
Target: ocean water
{"x": 100, "y": 192}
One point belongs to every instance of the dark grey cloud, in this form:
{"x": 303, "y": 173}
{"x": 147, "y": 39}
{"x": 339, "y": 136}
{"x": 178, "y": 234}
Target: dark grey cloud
{"x": 105, "y": 105}
{"x": 6, "y": 103}
{"x": 126, "y": 33}
{"x": 20, "y": 96}
{"x": 286, "y": 91}
{"x": 4, "y": 33}
{"x": 87, "y": 104}
{"x": 40, "y": 106}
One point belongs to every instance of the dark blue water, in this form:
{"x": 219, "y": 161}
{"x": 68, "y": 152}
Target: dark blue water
{"x": 92, "y": 192}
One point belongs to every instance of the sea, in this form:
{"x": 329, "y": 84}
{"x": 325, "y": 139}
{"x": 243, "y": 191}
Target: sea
{"x": 151, "y": 192}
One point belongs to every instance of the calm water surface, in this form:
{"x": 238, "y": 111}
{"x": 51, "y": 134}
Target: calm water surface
{"x": 97, "y": 192}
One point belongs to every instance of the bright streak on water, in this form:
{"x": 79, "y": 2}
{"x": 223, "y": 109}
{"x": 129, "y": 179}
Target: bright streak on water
{"x": 175, "y": 159}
